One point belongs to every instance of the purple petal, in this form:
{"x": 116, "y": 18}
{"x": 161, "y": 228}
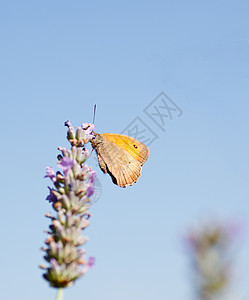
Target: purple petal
{"x": 65, "y": 164}
{"x": 51, "y": 197}
{"x": 91, "y": 261}
{"x": 90, "y": 191}
{"x": 92, "y": 176}
{"x": 88, "y": 265}
{"x": 50, "y": 174}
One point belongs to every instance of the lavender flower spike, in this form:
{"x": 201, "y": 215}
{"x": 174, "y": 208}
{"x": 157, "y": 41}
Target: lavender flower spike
{"x": 70, "y": 199}
{"x": 209, "y": 247}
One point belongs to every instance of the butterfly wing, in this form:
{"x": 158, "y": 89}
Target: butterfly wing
{"x": 120, "y": 156}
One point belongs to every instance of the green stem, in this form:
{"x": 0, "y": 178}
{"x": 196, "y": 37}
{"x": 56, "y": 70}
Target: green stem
{"x": 59, "y": 295}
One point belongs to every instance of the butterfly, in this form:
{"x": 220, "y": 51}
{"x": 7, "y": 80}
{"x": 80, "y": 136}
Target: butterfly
{"x": 121, "y": 156}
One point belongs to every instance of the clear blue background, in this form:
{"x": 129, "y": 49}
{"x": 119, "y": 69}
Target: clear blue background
{"x": 58, "y": 58}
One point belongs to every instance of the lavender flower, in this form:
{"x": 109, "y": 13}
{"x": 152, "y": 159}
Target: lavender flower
{"x": 89, "y": 128}
{"x": 209, "y": 248}
{"x": 66, "y": 164}
{"x": 50, "y": 174}
{"x": 70, "y": 199}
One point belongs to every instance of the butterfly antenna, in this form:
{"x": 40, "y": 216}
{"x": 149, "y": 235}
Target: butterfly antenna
{"x": 94, "y": 112}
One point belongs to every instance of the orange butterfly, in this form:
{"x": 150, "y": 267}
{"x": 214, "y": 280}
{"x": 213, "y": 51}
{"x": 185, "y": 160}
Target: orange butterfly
{"x": 120, "y": 156}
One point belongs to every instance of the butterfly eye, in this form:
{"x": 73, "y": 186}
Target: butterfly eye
{"x": 135, "y": 146}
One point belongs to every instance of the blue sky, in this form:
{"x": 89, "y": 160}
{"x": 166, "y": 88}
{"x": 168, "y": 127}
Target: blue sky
{"x": 59, "y": 58}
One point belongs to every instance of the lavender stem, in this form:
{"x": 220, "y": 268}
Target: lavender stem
{"x": 59, "y": 295}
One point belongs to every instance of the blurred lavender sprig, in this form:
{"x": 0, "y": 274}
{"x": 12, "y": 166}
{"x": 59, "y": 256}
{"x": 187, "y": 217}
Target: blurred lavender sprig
{"x": 69, "y": 197}
{"x": 210, "y": 251}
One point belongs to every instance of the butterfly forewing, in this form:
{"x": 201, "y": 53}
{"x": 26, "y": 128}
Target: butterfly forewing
{"x": 137, "y": 149}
